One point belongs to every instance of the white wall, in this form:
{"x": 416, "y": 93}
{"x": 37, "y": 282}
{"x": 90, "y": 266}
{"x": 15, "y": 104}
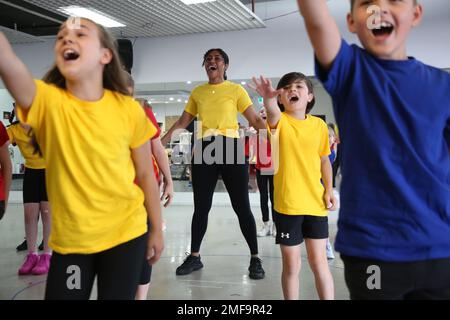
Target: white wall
{"x": 281, "y": 47}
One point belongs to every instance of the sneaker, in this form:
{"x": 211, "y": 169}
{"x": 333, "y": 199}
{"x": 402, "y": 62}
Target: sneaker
{"x": 265, "y": 230}
{"x": 274, "y": 230}
{"x": 192, "y": 263}
{"x": 41, "y": 246}
{"x": 256, "y": 271}
{"x": 330, "y": 254}
{"x": 30, "y": 262}
{"x": 23, "y": 246}
{"x": 43, "y": 265}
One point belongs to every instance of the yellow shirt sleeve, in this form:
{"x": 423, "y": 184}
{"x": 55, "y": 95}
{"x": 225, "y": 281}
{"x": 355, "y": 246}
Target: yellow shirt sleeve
{"x": 191, "y": 106}
{"x": 46, "y": 97}
{"x": 324, "y": 140}
{"x": 10, "y": 131}
{"x": 243, "y": 101}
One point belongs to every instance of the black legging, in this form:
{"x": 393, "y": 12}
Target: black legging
{"x": 71, "y": 276}
{"x": 264, "y": 192}
{"x": 234, "y": 173}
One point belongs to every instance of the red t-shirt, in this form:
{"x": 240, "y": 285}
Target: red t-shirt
{"x": 152, "y": 118}
{"x": 3, "y": 139}
{"x": 263, "y": 154}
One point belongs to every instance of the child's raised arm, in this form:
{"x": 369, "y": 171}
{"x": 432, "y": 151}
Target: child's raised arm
{"x": 18, "y": 80}
{"x": 322, "y": 30}
{"x": 265, "y": 89}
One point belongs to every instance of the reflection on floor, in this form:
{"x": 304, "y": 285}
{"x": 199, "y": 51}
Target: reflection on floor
{"x": 224, "y": 254}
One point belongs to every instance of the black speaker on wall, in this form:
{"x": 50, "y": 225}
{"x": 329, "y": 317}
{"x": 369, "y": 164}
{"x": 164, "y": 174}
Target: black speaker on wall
{"x": 125, "y": 48}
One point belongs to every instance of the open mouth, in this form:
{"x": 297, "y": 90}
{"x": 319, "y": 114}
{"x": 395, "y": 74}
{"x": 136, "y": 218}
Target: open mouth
{"x": 212, "y": 68}
{"x": 71, "y": 55}
{"x": 293, "y": 99}
{"x": 385, "y": 29}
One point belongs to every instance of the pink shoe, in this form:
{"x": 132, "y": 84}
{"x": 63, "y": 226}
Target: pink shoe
{"x": 43, "y": 265}
{"x": 30, "y": 262}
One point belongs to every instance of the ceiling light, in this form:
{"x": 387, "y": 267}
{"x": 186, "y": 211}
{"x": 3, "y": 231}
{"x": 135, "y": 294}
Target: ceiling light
{"x": 243, "y": 83}
{"x": 92, "y": 14}
{"x": 188, "y": 2}
{"x": 188, "y": 82}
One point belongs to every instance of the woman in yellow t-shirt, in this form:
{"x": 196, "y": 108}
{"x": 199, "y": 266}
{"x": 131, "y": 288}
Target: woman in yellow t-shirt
{"x": 219, "y": 151}
{"x": 35, "y": 199}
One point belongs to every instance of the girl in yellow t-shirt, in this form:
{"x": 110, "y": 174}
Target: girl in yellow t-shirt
{"x": 300, "y": 152}
{"x": 95, "y": 141}
{"x": 35, "y": 199}
{"x": 219, "y": 151}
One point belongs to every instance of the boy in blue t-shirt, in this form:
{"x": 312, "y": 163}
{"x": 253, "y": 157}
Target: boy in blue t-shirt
{"x": 394, "y": 118}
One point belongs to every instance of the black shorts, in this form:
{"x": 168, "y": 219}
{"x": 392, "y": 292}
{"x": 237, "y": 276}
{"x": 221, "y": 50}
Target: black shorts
{"x": 34, "y": 188}
{"x": 146, "y": 273}
{"x": 369, "y": 279}
{"x": 291, "y": 230}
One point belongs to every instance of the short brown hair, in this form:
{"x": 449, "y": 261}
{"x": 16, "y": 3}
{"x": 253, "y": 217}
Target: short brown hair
{"x": 292, "y": 77}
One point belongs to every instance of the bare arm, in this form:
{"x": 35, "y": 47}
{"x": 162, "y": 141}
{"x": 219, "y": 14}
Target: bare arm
{"x": 327, "y": 179}
{"x": 322, "y": 30}
{"x": 163, "y": 164}
{"x": 18, "y": 80}
{"x": 254, "y": 119}
{"x": 182, "y": 123}
{"x": 6, "y": 167}
{"x": 265, "y": 89}
{"x": 147, "y": 182}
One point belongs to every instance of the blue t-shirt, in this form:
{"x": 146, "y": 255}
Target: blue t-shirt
{"x": 394, "y": 127}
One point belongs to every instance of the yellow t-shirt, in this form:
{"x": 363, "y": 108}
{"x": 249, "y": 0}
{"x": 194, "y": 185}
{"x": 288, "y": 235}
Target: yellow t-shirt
{"x": 87, "y": 150}
{"x": 217, "y": 107}
{"x": 297, "y": 148}
{"x": 19, "y": 135}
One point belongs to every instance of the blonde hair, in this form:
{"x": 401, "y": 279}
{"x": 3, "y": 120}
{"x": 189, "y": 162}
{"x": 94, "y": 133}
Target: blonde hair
{"x": 113, "y": 76}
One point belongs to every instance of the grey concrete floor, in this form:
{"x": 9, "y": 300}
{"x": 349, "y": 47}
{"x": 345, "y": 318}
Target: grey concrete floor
{"x": 224, "y": 253}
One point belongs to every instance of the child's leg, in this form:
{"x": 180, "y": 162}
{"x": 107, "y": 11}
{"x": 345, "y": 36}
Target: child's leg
{"x": 262, "y": 182}
{"x": 46, "y": 224}
{"x": 317, "y": 258}
{"x": 2, "y": 209}
{"x": 142, "y": 291}
{"x": 291, "y": 271}
{"x": 31, "y": 225}
{"x": 146, "y": 275}
{"x": 119, "y": 270}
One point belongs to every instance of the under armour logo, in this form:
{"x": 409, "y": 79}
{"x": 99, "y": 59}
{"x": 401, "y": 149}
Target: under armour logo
{"x": 285, "y": 235}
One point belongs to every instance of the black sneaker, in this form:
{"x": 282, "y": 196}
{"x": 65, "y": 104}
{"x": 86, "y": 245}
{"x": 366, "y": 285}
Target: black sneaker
{"x": 23, "y": 246}
{"x": 256, "y": 270}
{"x": 41, "y": 246}
{"x": 192, "y": 263}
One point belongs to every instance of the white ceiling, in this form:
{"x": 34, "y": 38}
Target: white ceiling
{"x": 158, "y": 18}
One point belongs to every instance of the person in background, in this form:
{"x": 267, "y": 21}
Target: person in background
{"x": 217, "y": 104}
